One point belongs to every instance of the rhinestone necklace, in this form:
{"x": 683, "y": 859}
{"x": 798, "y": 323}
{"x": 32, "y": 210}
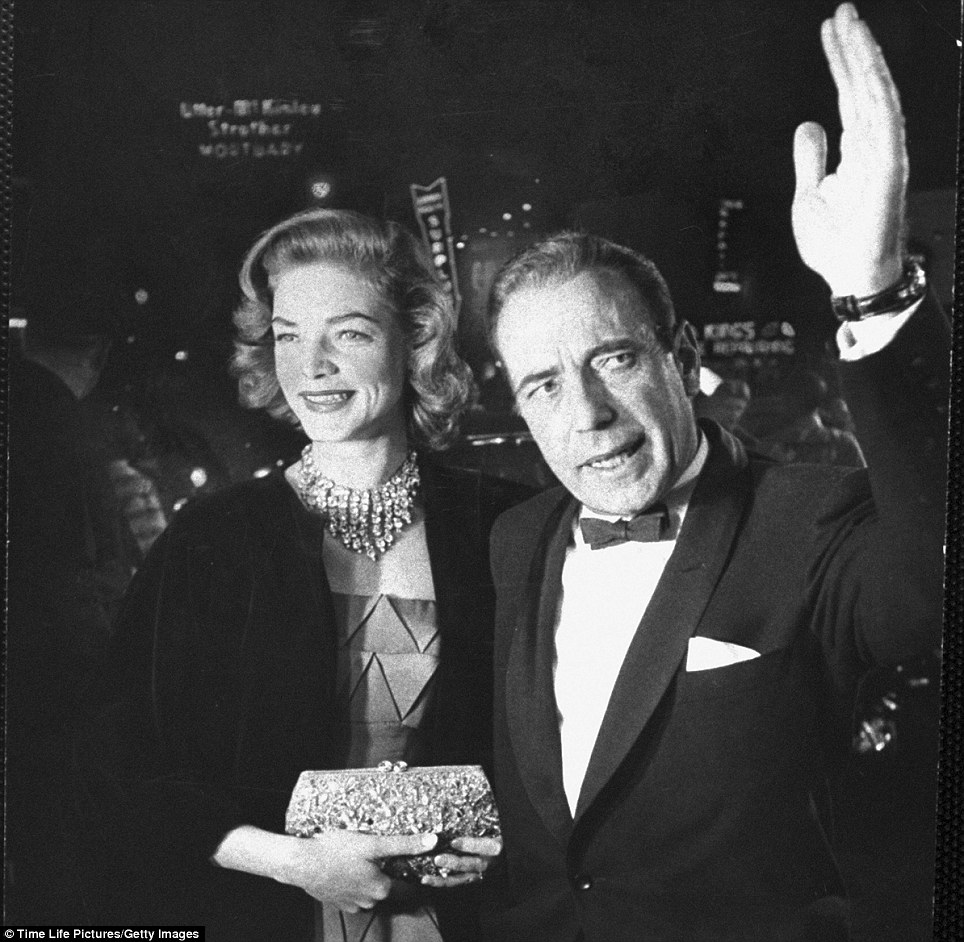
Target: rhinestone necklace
{"x": 363, "y": 521}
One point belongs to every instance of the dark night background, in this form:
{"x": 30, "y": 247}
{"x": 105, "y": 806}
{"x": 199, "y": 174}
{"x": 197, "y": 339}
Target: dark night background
{"x": 634, "y": 118}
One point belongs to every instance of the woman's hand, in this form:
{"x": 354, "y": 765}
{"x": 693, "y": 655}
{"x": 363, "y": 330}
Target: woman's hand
{"x": 339, "y": 868}
{"x": 474, "y": 855}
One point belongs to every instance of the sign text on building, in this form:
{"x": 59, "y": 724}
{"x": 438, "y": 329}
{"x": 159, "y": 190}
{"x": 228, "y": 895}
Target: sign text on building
{"x": 253, "y": 127}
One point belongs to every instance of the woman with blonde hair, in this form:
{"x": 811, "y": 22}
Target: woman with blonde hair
{"x": 334, "y": 615}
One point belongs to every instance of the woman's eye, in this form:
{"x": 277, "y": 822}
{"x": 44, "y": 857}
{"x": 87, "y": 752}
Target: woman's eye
{"x": 353, "y": 335}
{"x": 285, "y": 338}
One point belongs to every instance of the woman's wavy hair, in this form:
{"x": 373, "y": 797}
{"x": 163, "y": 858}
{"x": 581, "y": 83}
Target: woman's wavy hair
{"x": 438, "y": 382}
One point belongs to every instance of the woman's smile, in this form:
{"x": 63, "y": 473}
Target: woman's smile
{"x": 328, "y": 400}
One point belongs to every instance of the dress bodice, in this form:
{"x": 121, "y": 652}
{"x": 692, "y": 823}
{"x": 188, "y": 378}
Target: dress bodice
{"x": 388, "y": 652}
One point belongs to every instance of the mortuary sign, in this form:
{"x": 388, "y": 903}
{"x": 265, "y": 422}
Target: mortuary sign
{"x": 254, "y": 128}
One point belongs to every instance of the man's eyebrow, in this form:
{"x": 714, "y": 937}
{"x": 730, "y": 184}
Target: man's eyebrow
{"x": 535, "y": 377}
{"x": 614, "y": 346}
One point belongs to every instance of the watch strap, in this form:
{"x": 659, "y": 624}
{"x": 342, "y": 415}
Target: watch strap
{"x": 893, "y": 299}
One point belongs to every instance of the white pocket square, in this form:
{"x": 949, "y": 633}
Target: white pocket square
{"x": 704, "y": 654}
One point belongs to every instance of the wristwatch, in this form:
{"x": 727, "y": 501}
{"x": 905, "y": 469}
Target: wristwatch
{"x": 892, "y": 300}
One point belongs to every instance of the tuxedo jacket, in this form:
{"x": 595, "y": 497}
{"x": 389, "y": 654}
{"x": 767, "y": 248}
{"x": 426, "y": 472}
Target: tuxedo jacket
{"x": 703, "y": 815}
{"x": 220, "y": 690}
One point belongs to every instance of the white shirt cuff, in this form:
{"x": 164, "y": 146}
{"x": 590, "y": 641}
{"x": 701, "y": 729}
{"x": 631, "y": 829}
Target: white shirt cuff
{"x": 858, "y": 339}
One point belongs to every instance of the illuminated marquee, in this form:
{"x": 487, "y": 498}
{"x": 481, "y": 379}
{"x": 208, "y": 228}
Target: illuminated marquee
{"x": 744, "y": 338}
{"x": 434, "y": 214}
{"x": 254, "y": 128}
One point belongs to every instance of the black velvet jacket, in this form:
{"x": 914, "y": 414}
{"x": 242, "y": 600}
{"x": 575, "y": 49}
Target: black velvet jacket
{"x": 219, "y": 690}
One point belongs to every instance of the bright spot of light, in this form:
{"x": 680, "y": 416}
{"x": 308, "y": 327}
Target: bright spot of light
{"x": 460, "y": 244}
{"x": 178, "y": 504}
{"x": 321, "y": 189}
{"x": 141, "y": 296}
{"x": 262, "y": 472}
{"x": 507, "y": 216}
{"x": 180, "y": 356}
{"x": 199, "y": 477}
{"x": 526, "y": 207}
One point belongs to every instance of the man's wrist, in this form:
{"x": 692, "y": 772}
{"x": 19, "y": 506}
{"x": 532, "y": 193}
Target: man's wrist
{"x": 863, "y": 284}
{"x": 900, "y": 294}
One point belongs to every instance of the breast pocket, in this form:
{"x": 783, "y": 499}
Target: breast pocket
{"x": 734, "y": 679}
{"x": 746, "y": 724}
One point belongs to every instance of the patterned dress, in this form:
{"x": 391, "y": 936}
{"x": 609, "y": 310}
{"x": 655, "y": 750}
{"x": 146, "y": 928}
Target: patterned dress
{"x": 388, "y": 653}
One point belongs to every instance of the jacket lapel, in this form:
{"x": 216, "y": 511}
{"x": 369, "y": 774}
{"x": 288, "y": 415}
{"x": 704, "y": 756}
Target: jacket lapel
{"x": 455, "y": 533}
{"x": 530, "y": 699}
{"x": 451, "y": 518}
{"x": 671, "y": 618}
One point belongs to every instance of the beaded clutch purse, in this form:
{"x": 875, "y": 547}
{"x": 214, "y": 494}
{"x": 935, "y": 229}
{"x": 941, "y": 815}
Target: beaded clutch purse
{"x": 449, "y": 800}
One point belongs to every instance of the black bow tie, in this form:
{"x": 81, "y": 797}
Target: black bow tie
{"x": 647, "y": 527}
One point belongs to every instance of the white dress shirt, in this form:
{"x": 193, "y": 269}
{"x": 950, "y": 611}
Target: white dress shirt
{"x": 605, "y": 593}
{"x": 856, "y": 339}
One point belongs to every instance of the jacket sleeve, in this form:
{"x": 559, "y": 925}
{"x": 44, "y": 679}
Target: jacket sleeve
{"x": 153, "y": 793}
{"x": 881, "y": 562}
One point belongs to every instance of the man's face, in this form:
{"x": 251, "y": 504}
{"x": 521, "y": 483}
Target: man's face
{"x": 608, "y": 407}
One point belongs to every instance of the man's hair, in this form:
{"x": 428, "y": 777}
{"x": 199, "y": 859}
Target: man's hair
{"x": 562, "y": 257}
{"x": 437, "y": 384}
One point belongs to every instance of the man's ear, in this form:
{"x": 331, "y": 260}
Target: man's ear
{"x": 686, "y": 352}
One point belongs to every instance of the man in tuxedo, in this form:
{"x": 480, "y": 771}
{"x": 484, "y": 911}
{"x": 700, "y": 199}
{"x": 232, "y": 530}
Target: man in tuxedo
{"x": 681, "y": 626}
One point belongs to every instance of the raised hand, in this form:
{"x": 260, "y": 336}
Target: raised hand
{"x": 849, "y": 224}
